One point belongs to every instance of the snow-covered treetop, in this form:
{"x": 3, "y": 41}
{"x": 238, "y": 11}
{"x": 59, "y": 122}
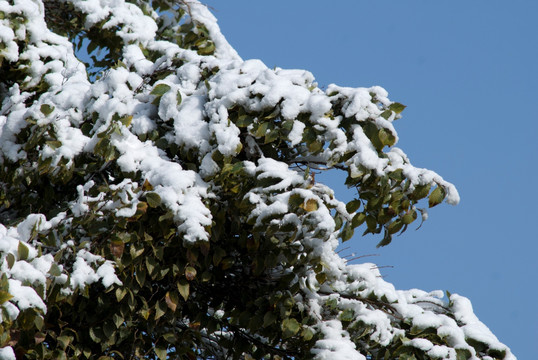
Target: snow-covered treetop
{"x": 160, "y": 199}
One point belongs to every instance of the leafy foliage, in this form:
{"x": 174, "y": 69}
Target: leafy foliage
{"x": 159, "y": 201}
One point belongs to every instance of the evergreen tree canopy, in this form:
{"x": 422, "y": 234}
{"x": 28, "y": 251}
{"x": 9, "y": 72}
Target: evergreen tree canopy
{"x": 158, "y": 199}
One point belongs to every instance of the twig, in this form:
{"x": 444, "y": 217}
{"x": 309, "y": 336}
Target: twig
{"x": 346, "y": 248}
{"x": 362, "y": 256}
{"x": 383, "y": 267}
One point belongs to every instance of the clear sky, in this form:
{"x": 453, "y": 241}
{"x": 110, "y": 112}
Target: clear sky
{"x": 468, "y": 72}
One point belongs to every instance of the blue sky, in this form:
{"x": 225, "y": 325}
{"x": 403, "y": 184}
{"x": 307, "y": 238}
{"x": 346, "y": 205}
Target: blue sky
{"x": 467, "y": 70}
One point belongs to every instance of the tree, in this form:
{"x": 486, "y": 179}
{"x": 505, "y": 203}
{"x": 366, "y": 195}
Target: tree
{"x": 158, "y": 199}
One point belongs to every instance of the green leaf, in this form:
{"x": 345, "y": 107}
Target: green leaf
{"x": 207, "y": 49}
{"x": 117, "y": 320}
{"x": 120, "y": 293}
{"x": 395, "y": 226}
{"x": 39, "y": 322}
{"x": 54, "y": 144}
{"x": 397, "y": 175}
{"x": 96, "y": 334}
{"x": 371, "y": 223}
{"x": 407, "y": 357}
{"x": 244, "y": 120}
{"x": 463, "y": 354}
{"x": 160, "y": 90}
{"x": 161, "y": 352}
{"x": 409, "y": 217}
{"x": 290, "y": 327}
{"x": 479, "y": 345}
{"x": 347, "y": 232}
{"x": 160, "y": 310}
{"x": 11, "y": 260}
{"x": 262, "y": 129}
{"x": 46, "y": 109}
{"x": 397, "y": 107}
{"x": 386, "y": 114}
{"x": 315, "y": 146}
{"x": 44, "y": 165}
{"x": 321, "y": 277}
{"x": 237, "y": 167}
{"x": 295, "y": 200}
{"x": 59, "y": 355}
{"x": 307, "y": 334}
{"x": 169, "y": 337}
{"x": 55, "y": 270}
{"x": 383, "y": 136}
{"x": 153, "y": 199}
{"x": 306, "y": 175}
{"x": 420, "y": 192}
{"x": 5, "y": 296}
{"x": 347, "y": 315}
{"x": 358, "y": 219}
{"x": 126, "y": 120}
{"x": 437, "y": 196}
{"x": 255, "y": 323}
{"x": 183, "y": 288}
{"x": 387, "y": 239}
{"x": 64, "y": 341}
{"x": 287, "y": 125}
{"x": 271, "y": 136}
{"x": 141, "y": 276}
{"x": 151, "y": 264}
{"x": 269, "y": 318}
{"x": 353, "y": 206}
{"x": 372, "y": 132}
{"x": 23, "y": 251}
{"x": 386, "y": 137}
{"x": 338, "y": 221}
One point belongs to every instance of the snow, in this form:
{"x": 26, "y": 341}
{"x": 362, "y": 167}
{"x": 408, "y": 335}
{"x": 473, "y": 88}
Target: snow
{"x": 107, "y": 274}
{"x": 226, "y": 135}
{"x": 296, "y": 134}
{"x": 202, "y": 15}
{"x": 366, "y": 154}
{"x": 25, "y": 297}
{"x": 25, "y": 272}
{"x": 424, "y": 320}
{"x": 441, "y": 352}
{"x": 33, "y": 270}
{"x": 271, "y": 169}
{"x": 6, "y": 353}
{"x": 25, "y": 228}
{"x": 11, "y": 310}
{"x": 81, "y": 207}
{"x": 83, "y": 273}
{"x": 190, "y": 129}
{"x": 423, "y": 344}
{"x": 335, "y": 344}
{"x": 10, "y": 52}
{"x": 473, "y": 328}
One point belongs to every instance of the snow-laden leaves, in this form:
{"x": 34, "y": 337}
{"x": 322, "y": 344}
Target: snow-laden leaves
{"x": 161, "y": 198}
